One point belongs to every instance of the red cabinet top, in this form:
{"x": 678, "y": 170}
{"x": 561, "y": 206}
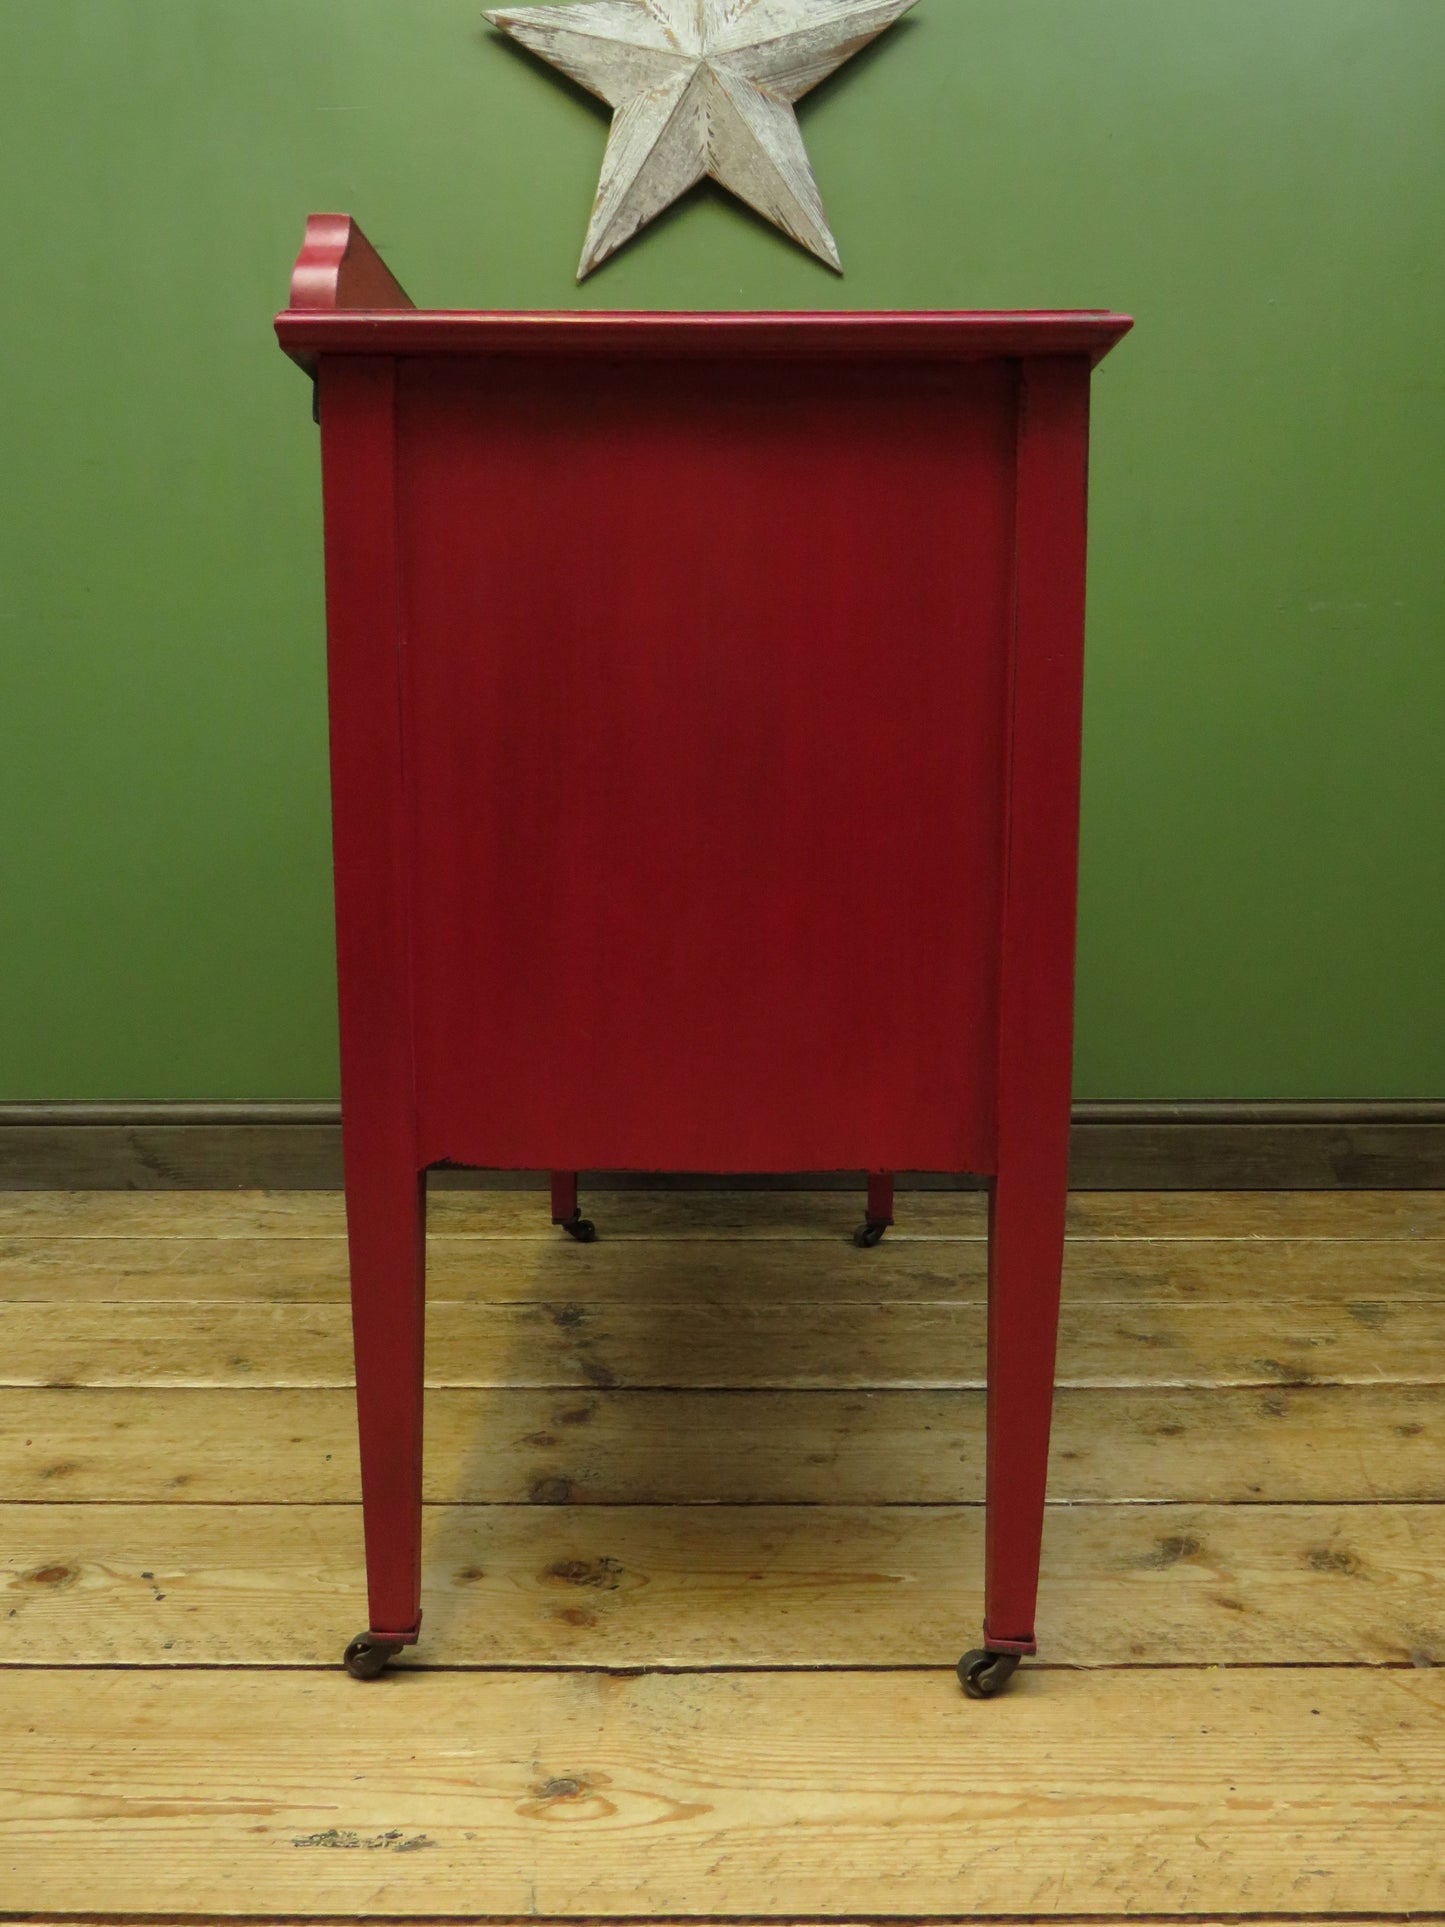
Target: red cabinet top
{"x": 305, "y": 333}
{"x": 345, "y": 301}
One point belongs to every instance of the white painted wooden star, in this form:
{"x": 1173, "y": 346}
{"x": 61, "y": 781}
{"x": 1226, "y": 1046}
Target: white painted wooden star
{"x": 701, "y": 87}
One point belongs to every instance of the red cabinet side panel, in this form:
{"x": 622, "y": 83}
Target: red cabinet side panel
{"x": 704, "y": 695}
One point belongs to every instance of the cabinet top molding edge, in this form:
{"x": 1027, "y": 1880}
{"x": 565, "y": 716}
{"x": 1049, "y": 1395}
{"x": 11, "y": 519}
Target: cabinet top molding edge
{"x": 344, "y": 300}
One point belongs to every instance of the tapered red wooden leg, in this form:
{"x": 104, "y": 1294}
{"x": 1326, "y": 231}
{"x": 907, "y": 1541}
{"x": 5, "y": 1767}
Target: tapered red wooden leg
{"x": 880, "y": 1209}
{"x": 386, "y": 1229}
{"x": 1036, "y": 985}
{"x": 566, "y": 1211}
{"x": 385, "y": 1203}
{"x": 1025, "y": 1256}
{"x": 880, "y": 1196}
{"x": 564, "y": 1196}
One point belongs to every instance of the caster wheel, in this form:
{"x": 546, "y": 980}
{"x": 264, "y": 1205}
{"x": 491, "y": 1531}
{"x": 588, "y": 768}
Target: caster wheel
{"x": 367, "y": 1658}
{"x": 582, "y": 1229}
{"x": 869, "y": 1234}
{"x": 983, "y": 1675}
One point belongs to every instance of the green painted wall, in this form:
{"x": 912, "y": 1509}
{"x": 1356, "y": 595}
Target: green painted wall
{"x": 1258, "y": 181}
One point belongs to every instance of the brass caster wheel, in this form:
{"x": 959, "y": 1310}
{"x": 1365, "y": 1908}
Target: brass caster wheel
{"x": 983, "y": 1675}
{"x": 580, "y": 1228}
{"x": 368, "y": 1658}
{"x": 869, "y": 1234}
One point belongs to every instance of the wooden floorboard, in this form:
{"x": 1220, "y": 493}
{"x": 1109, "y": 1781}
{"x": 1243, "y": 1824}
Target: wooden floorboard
{"x": 711, "y": 1345}
{"x": 1315, "y": 1444}
{"x": 702, "y": 1542}
{"x": 1105, "y": 1793}
{"x": 733, "y": 1215}
{"x": 698, "y": 1586}
{"x": 300, "y": 1270}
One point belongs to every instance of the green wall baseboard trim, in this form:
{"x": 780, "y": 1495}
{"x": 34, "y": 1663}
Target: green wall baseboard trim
{"x": 1197, "y": 1146}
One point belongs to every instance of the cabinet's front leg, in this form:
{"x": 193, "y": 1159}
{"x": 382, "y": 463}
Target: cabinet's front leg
{"x": 1036, "y": 988}
{"x": 1025, "y": 1256}
{"x": 385, "y": 1194}
{"x": 386, "y": 1230}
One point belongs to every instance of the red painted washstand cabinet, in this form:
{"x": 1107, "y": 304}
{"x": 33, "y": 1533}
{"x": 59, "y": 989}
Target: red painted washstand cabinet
{"x": 705, "y": 702}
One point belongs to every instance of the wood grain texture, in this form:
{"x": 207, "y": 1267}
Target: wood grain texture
{"x": 1320, "y": 1444}
{"x": 706, "y": 1344}
{"x": 572, "y": 1528}
{"x": 732, "y": 1215}
{"x": 1102, "y": 1793}
{"x": 723, "y": 1586}
{"x": 284, "y": 1270}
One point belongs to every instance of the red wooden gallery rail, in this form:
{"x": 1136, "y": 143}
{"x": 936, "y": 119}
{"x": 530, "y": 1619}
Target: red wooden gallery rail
{"x": 705, "y": 698}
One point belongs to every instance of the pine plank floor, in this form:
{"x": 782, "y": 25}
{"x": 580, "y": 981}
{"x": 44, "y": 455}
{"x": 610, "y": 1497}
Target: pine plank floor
{"x": 703, "y": 1540}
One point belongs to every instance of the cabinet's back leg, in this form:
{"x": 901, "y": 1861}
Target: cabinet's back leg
{"x": 566, "y": 1211}
{"x": 880, "y": 1209}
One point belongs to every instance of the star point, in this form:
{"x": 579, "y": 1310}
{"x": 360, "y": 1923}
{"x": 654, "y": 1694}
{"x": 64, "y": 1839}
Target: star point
{"x": 698, "y": 88}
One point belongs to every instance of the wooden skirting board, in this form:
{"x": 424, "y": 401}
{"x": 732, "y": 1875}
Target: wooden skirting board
{"x": 1116, "y": 1147}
